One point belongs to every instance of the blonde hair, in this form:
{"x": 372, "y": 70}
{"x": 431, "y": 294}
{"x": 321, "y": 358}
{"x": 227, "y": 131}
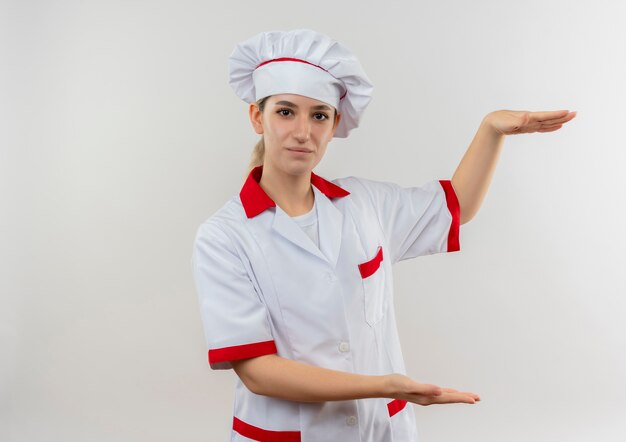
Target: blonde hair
{"x": 258, "y": 153}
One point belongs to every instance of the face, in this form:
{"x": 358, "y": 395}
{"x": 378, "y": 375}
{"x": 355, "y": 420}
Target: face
{"x": 296, "y": 130}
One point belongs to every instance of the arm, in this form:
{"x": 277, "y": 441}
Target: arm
{"x": 272, "y": 375}
{"x": 473, "y": 175}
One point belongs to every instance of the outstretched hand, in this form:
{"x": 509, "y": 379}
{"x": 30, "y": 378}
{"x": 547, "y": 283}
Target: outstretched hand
{"x": 507, "y": 122}
{"x": 405, "y": 388}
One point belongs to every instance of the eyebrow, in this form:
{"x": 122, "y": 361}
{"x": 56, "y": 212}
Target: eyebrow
{"x": 290, "y": 104}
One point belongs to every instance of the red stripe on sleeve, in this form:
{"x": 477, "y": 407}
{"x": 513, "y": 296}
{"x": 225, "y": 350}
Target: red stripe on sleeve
{"x": 242, "y": 351}
{"x": 256, "y": 433}
{"x": 455, "y": 211}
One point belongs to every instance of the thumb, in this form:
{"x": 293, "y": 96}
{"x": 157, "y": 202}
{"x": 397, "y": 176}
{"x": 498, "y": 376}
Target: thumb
{"x": 427, "y": 389}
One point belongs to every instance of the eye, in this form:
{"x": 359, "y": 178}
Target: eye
{"x": 283, "y": 110}
{"x": 323, "y": 115}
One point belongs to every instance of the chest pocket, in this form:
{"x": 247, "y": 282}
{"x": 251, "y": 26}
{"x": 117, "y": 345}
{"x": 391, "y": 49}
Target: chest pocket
{"x": 373, "y": 278}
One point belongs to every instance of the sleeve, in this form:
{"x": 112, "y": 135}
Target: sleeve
{"x": 416, "y": 221}
{"x": 234, "y": 318}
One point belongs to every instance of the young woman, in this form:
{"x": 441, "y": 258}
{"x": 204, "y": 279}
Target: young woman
{"x": 294, "y": 274}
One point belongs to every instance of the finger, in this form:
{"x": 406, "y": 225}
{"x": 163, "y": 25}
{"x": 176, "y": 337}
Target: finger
{"x": 453, "y": 398}
{"x": 468, "y": 393}
{"x": 474, "y": 395}
{"x": 550, "y": 115}
{"x": 449, "y": 390}
{"x": 429, "y": 390}
{"x": 550, "y": 129}
{"x": 445, "y": 398}
{"x": 424, "y": 389}
{"x": 559, "y": 120}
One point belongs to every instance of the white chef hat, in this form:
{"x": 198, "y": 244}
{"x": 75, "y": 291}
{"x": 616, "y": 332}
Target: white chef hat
{"x": 302, "y": 62}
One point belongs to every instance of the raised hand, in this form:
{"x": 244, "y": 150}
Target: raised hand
{"x": 508, "y": 122}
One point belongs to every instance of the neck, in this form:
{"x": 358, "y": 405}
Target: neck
{"x": 292, "y": 193}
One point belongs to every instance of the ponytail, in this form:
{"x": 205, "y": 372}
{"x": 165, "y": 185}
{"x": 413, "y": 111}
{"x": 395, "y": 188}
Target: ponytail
{"x": 256, "y": 158}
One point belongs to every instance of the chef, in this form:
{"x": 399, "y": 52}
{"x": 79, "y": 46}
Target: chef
{"x": 294, "y": 273}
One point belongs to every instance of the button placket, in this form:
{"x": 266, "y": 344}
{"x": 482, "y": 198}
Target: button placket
{"x": 373, "y": 280}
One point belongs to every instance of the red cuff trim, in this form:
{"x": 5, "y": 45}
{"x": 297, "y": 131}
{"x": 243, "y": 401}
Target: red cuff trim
{"x": 242, "y": 351}
{"x": 395, "y": 406}
{"x": 369, "y": 267}
{"x": 455, "y": 211}
{"x": 256, "y": 433}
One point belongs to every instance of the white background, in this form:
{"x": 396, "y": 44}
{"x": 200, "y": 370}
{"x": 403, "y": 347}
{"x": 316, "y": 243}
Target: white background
{"x": 119, "y": 135}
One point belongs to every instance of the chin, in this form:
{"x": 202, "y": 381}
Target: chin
{"x": 299, "y": 169}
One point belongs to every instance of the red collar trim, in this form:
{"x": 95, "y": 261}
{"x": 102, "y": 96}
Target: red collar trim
{"x": 255, "y": 200}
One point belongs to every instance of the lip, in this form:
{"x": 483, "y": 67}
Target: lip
{"x": 296, "y": 149}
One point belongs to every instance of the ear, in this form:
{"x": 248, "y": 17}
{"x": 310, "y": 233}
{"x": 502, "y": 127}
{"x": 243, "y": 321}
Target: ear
{"x": 337, "y": 120}
{"x": 256, "y": 117}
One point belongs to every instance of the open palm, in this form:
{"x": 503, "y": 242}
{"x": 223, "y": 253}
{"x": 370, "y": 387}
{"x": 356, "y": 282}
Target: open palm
{"x": 508, "y": 122}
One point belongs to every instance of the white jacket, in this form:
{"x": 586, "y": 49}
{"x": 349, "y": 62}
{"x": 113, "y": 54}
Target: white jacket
{"x": 264, "y": 287}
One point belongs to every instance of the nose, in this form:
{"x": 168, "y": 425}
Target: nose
{"x": 302, "y": 130}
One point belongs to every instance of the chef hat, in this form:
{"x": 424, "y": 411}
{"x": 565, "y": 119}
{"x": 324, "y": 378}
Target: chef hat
{"x": 302, "y": 62}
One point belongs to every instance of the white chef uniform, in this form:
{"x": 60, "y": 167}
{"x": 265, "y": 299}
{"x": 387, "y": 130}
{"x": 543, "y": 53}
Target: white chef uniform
{"x": 264, "y": 287}
{"x": 308, "y": 223}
